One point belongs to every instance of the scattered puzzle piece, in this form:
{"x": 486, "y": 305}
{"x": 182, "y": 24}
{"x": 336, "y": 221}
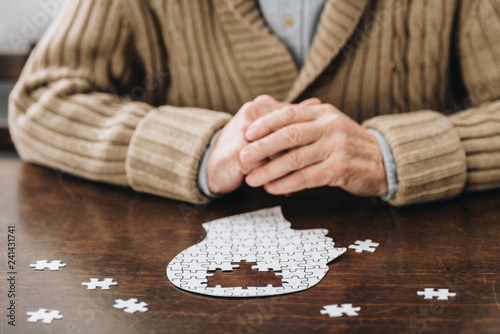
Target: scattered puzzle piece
{"x": 335, "y": 311}
{"x": 263, "y": 237}
{"x": 104, "y": 284}
{"x": 42, "y": 264}
{"x": 44, "y": 315}
{"x": 368, "y": 246}
{"x": 441, "y": 294}
{"x": 131, "y": 305}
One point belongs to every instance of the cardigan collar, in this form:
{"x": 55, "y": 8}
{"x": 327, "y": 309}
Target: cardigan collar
{"x": 266, "y": 62}
{"x": 337, "y": 24}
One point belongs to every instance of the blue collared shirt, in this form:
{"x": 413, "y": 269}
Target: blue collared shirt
{"x": 294, "y": 23}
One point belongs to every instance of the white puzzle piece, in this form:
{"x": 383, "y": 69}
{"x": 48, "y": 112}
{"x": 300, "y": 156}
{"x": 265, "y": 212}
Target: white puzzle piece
{"x": 104, "y": 284}
{"x": 335, "y": 311}
{"x": 441, "y": 294}
{"x": 131, "y": 305}
{"x": 42, "y": 264}
{"x": 368, "y": 246}
{"x": 265, "y": 237}
{"x": 44, "y": 315}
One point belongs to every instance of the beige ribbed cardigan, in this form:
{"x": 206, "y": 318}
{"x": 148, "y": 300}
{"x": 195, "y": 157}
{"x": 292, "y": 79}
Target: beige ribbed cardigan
{"x": 130, "y": 91}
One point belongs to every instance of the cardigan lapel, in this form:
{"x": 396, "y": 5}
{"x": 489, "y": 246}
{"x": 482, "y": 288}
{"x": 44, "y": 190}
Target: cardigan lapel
{"x": 262, "y": 58}
{"x": 337, "y": 24}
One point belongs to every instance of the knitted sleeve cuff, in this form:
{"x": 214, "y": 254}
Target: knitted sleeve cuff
{"x": 166, "y": 149}
{"x": 428, "y": 153}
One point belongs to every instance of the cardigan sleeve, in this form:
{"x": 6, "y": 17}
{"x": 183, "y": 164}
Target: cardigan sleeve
{"x": 73, "y": 109}
{"x": 439, "y": 156}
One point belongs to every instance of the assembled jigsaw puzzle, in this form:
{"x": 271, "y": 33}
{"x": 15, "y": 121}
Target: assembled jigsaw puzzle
{"x": 265, "y": 237}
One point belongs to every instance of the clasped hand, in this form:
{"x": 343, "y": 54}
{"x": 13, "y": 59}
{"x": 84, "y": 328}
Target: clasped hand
{"x": 291, "y": 147}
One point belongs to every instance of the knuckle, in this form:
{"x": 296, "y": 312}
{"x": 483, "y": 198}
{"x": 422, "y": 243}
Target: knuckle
{"x": 341, "y": 144}
{"x": 342, "y": 181}
{"x": 330, "y": 108}
{"x": 300, "y": 177}
{"x": 316, "y": 100}
{"x": 294, "y": 159}
{"x": 288, "y": 114}
{"x": 248, "y": 109}
{"x": 264, "y": 98}
{"x": 333, "y": 123}
{"x": 243, "y": 168}
{"x": 291, "y": 134}
{"x": 345, "y": 145}
{"x": 319, "y": 178}
{"x": 264, "y": 172}
{"x": 246, "y": 106}
{"x": 261, "y": 147}
{"x": 324, "y": 155}
{"x": 343, "y": 170}
{"x": 267, "y": 123}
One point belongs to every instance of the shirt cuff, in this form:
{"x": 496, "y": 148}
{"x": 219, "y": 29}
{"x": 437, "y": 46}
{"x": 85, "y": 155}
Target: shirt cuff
{"x": 202, "y": 179}
{"x": 391, "y": 169}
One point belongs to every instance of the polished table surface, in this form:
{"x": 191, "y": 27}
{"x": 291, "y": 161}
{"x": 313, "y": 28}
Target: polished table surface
{"x": 105, "y": 231}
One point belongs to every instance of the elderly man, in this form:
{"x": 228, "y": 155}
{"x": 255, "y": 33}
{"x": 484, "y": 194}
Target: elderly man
{"x": 141, "y": 94}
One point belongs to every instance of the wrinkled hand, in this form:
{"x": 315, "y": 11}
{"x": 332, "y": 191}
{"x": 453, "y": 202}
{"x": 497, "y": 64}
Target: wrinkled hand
{"x": 225, "y": 173}
{"x": 312, "y": 146}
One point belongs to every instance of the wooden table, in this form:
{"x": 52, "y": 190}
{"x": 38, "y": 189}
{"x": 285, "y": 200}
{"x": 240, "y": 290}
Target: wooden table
{"x": 104, "y": 231}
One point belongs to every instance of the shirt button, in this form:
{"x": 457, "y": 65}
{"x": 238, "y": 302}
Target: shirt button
{"x": 287, "y": 21}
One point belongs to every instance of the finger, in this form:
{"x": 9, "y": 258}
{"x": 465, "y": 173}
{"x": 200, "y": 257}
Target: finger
{"x": 280, "y": 118}
{"x": 312, "y": 176}
{"x": 266, "y": 99}
{"x": 267, "y": 104}
{"x": 285, "y": 164}
{"x": 310, "y": 102}
{"x": 224, "y": 179}
{"x": 284, "y": 139}
{"x": 259, "y": 107}
{"x": 247, "y": 168}
{"x": 249, "y": 112}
